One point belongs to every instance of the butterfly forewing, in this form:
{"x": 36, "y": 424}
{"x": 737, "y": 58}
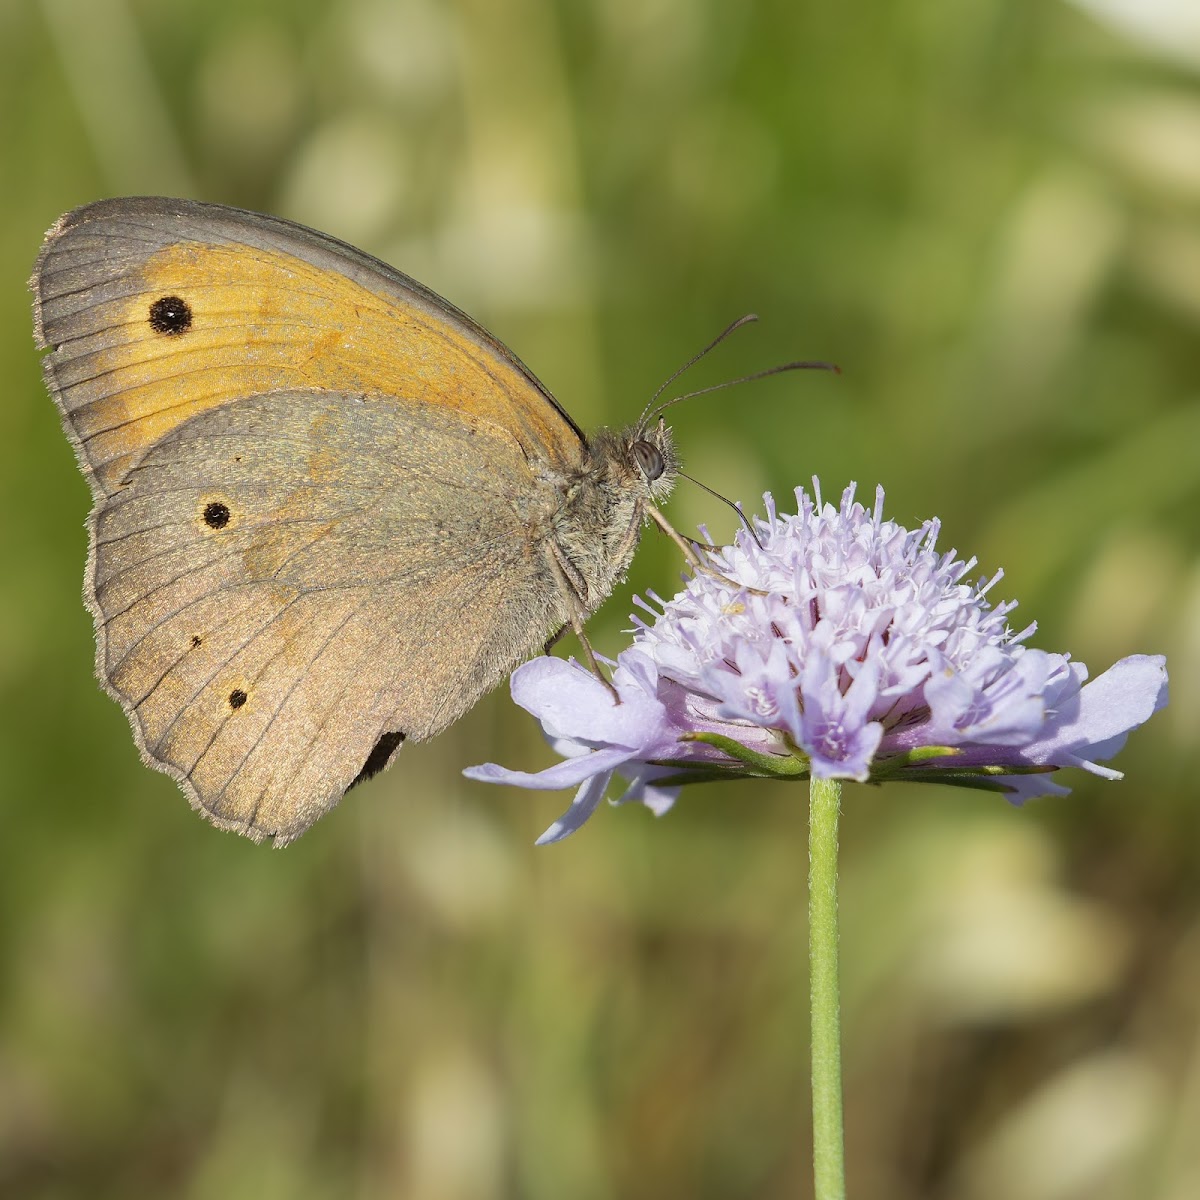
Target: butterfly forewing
{"x": 155, "y": 310}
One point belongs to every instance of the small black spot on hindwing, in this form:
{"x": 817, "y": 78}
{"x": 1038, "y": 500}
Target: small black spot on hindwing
{"x": 216, "y": 515}
{"x": 237, "y": 698}
{"x": 378, "y": 758}
{"x": 196, "y": 640}
{"x": 170, "y": 315}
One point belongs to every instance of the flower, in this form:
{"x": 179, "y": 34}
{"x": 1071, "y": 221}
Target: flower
{"x": 832, "y": 644}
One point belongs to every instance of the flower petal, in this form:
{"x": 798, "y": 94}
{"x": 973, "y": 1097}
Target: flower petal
{"x": 585, "y": 803}
{"x": 571, "y": 702}
{"x": 641, "y": 789}
{"x": 1093, "y": 723}
{"x": 1029, "y": 787}
{"x": 559, "y": 775}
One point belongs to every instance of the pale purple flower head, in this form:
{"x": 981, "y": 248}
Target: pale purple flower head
{"x": 840, "y": 645}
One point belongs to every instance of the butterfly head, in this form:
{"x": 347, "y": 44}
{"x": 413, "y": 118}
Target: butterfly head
{"x": 651, "y": 452}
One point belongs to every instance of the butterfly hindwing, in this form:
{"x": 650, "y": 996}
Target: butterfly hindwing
{"x": 272, "y": 599}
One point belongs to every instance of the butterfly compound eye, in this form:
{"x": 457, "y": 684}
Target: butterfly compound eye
{"x": 649, "y": 458}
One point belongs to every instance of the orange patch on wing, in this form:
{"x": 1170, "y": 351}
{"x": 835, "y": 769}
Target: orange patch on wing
{"x": 264, "y": 321}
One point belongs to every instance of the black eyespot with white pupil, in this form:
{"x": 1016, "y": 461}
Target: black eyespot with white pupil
{"x": 170, "y": 315}
{"x": 649, "y": 458}
{"x": 216, "y": 515}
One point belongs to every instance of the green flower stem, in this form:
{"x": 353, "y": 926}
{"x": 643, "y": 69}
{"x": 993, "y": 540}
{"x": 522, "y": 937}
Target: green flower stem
{"x": 829, "y": 1170}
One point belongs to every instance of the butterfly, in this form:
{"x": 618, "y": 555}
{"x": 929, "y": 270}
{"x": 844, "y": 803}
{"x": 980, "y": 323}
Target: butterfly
{"x": 330, "y": 510}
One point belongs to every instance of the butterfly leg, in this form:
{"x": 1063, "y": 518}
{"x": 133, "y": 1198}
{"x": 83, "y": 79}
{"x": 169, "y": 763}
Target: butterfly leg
{"x": 689, "y": 552}
{"x": 569, "y": 586}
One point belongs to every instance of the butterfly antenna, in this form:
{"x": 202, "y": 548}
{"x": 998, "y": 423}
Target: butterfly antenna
{"x": 728, "y": 383}
{"x": 746, "y": 320}
{"x": 724, "y": 500}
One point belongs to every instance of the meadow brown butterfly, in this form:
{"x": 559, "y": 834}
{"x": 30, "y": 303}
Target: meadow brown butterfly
{"x": 330, "y": 512}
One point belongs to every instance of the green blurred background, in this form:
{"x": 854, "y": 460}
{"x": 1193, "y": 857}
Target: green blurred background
{"x": 989, "y": 214}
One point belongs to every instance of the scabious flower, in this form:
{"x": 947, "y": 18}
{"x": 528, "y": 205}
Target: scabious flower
{"x": 829, "y": 644}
